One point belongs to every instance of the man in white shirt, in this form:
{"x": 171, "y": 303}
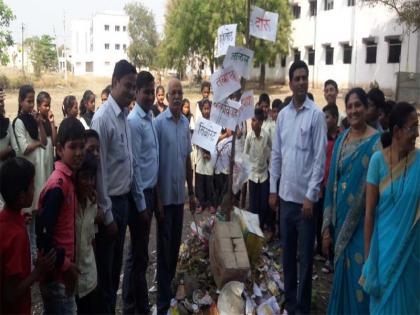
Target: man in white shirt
{"x": 298, "y": 160}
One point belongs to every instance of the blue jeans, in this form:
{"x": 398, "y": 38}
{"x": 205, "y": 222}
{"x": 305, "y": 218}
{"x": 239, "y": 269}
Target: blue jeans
{"x": 109, "y": 255}
{"x": 135, "y": 292}
{"x": 168, "y": 242}
{"x": 55, "y": 300}
{"x": 297, "y": 233}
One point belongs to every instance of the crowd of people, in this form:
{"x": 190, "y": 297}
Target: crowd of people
{"x": 341, "y": 188}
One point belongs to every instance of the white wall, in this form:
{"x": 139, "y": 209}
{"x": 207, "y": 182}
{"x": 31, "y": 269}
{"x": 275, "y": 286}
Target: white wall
{"x": 88, "y": 43}
{"x": 350, "y": 24}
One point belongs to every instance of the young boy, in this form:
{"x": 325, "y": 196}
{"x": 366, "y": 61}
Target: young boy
{"x": 258, "y": 147}
{"x": 16, "y": 277}
{"x": 269, "y": 125}
{"x": 205, "y": 94}
{"x": 55, "y": 225}
{"x": 204, "y": 187}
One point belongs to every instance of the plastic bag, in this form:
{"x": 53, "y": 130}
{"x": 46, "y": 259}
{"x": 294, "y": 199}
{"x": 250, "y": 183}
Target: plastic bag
{"x": 230, "y": 299}
{"x": 241, "y": 171}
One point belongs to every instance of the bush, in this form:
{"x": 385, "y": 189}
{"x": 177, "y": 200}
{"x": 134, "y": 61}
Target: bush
{"x": 4, "y": 81}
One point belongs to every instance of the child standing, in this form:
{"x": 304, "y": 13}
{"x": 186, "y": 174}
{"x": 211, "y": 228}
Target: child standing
{"x": 6, "y": 150}
{"x": 16, "y": 277}
{"x": 205, "y": 94}
{"x": 160, "y": 106}
{"x": 204, "y": 186}
{"x": 87, "y": 108}
{"x": 70, "y": 107}
{"x": 85, "y": 235}
{"x": 186, "y": 110}
{"x": 56, "y": 220}
{"x": 43, "y": 102}
{"x": 29, "y": 141}
{"x": 105, "y": 93}
{"x": 258, "y": 147}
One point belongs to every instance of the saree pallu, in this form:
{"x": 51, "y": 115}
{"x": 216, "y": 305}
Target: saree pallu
{"x": 344, "y": 211}
{"x": 391, "y": 274}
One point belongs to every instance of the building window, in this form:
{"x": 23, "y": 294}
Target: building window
{"x": 328, "y": 5}
{"x": 283, "y": 62}
{"x": 106, "y": 27}
{"x": 89, "y": 66}
{"x": 106, "y": 46}
{"x": 311, "y": 56}
{"x": 117, "y": 28}
{"x": 394, "y": 50}
{"x": 296, "y": 54}
{"x": 371, "y": 48}
{"x": 347, "y": 50}
{"x": 124, "y": 47}
{"x": 351, "y": 3}
{"x": 329, "y": 55}
{"x": 312, "y": 8}
{"x": 124, "y": 28}
{"x": 117, "y": 46}
{"x": 107, "y": 63}
{"x": 296, "y": 11}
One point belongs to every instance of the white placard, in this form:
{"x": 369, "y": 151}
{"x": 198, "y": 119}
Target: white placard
{"x": 224, "y": 115}
{"x": 226, "y": 35}
{"x": 263, "y": 24}
{"x": 206, "y": 134}
{"x": 224, "y": 82}
{"x": 247, "y": 106}
{"x": 240, "y": 58}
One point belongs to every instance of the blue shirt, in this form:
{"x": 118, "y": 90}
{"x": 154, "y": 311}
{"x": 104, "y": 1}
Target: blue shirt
{"x": 174, "y": 148}
{"x": 145, "y": 154}
{"x": 115, "y": 171}
{"x": 298, "y": 154}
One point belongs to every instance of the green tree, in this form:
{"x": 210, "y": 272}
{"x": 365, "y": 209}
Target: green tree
{"x": 143, "y": 34}
{"x": 6, "y": 16}
{"x": 408, "y": 11}
{"x": 42, "y": 53}
{"x": 191, "y": 29}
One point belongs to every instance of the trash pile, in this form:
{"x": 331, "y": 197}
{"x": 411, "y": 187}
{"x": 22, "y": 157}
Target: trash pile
{"x": 261, "y": 292}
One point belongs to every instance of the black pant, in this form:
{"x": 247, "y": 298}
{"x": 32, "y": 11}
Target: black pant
{"x": 258, "y": 201}
{"x": 169, "y": 234}
{"x": 318, "y": 213}
{"x": 204, "y": 190}
{"x": 220, "y": 187}
{"x": 135, "y": 291}
{"x": 87, "y": 304}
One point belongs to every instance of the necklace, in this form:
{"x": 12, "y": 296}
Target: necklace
{"x": 392, "y": 180}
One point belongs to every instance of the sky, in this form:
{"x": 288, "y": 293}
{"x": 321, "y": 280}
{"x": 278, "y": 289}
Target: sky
{"x": 47, "y": 16}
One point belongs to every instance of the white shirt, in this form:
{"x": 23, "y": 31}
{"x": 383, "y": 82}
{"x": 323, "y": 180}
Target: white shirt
{"x": 259, "y": 150}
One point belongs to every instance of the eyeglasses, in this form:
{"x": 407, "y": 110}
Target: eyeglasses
{"x": 413, "y": 129}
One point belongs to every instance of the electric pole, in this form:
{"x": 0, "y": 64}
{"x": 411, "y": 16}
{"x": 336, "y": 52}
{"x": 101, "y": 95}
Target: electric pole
{"x": 23, "y": 67}
{"x": 65, "y": 48}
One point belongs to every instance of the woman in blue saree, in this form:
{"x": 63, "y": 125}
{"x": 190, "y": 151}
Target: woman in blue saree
{"x": 391, "y": 274}
{"x": 344, "y": 206}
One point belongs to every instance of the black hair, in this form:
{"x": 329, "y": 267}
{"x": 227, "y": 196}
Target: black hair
{"x": 277, "y": 104}
{"x": 91, "y": 133}
{"x": 259, "y": 114}
{"x": 298, "y": 64}
{"x": 287, "y": 100}
{"x": 205, "y": 84}
{"x": 70, "y": 129}
{"x": 16, "y": 175}
{"x": 398, "y": 117}
{"x": 310, "y": 96}
{"x": 160, "y": 87}
{"x": 377, "y": 97}
{"x": 185, "y": 100}
{"x": 122, "y": 68}
{"x": 331, "y": 109}
{"x": 106, "y": 90}
{"x": 24, "y": 90}
{"x": 204, "y": 102}
{"x": 361, "y": 94}
{"x": 387, "y": 107}
{"x": 331, "y": 82}
{"x": 85, "y": 98}
{"x": 144, "y": 78}
{"x": 68, "y": 104}
{"x": 264, "y": 98}
{"x": 42, "y": 96}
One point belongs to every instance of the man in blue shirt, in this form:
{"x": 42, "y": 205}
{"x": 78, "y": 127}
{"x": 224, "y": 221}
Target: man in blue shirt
{"x": 298, "y": 161}
{"x": 113, "y": 182}
{"x": 145, "y": 148}
{"x": 174, "y": 168}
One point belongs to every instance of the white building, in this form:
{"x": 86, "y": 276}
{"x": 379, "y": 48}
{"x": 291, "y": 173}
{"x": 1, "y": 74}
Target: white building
{"x": 97, "y": 44}
{"x": 353, "y": 44}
